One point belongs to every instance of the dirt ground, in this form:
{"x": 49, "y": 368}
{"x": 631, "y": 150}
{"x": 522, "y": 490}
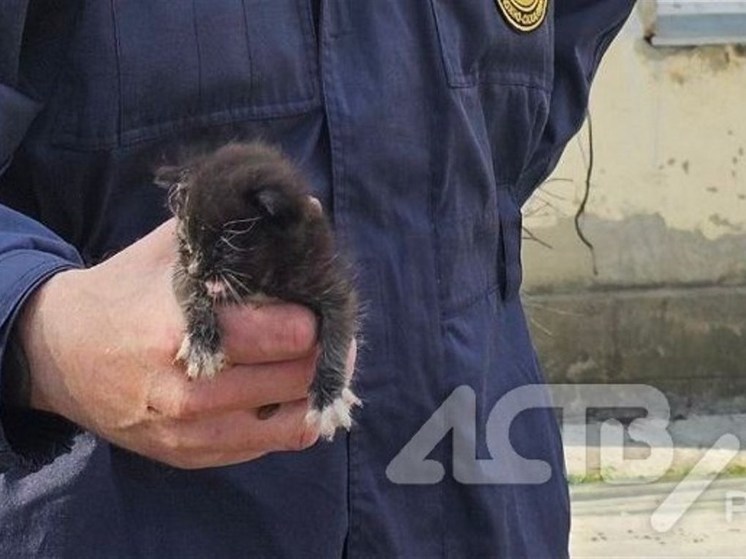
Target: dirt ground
{"x": 685, "y": 515}
{"x": 618, "y": 521}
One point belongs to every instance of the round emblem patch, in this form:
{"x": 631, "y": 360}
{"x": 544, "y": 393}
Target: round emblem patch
{"x": 524, "y": 15}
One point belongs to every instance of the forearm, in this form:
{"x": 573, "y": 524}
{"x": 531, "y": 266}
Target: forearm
{"x": 29, "y": 255}
{"x": 33, "y": 380}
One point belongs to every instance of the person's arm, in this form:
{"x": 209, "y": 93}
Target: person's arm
{"x": 95, "y": 347}
{"x": 101, "y": 345}
{"x": 29, "y": 254}
{"x": 583, "y": 30}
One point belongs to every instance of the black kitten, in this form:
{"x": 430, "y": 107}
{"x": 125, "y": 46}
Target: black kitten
{"x": 249, "y": 232}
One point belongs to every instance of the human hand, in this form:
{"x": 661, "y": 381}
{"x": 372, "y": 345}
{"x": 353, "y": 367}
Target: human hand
{"x": 101, "y": 342}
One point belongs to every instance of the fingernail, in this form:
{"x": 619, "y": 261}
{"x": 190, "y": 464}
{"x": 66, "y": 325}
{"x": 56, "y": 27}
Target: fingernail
{"x": 265, "y": 412}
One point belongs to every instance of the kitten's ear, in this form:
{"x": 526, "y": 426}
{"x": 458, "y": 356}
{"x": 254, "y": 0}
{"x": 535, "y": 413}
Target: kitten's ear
{"x": 166, "y": 176}
{"x": 176, "y": 180}
{"x": 274, "y": 202}
{"x": 315, "y": 207}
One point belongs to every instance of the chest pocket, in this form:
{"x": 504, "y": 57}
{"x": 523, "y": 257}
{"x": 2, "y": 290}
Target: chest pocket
{"x": 140, "y": 69}
{"x": 501, "y": 79}
{"x": 480, "y": 46}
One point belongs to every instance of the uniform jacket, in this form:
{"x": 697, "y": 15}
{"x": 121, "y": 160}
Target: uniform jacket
{"x": 423, "y": 126}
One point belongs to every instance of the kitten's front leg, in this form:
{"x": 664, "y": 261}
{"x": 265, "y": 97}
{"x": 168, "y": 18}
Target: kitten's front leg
{"x": 332, "y": 400}
{"x": 201, "y": 349}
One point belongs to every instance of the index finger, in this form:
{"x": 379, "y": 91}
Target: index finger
{"x": 267, "y": 333}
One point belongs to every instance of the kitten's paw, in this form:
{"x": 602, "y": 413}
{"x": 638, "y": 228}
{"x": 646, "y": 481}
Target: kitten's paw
{"x": 350, "y": 399}
{"x": 200, "y": 361}
{"x": 183, "y": 354}
{"x": 335, "y": 415}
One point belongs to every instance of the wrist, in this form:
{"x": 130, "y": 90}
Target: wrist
{"x": 38, "y": 338}
{"x": 35, "y": 428}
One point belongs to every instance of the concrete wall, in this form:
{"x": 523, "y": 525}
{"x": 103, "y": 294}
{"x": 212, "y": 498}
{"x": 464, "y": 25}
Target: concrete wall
{"x": 667, "y": 217}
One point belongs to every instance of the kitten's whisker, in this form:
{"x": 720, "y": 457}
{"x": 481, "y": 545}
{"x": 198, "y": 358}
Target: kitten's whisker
{"x": 232, "y": 293}
{"x": 238, "y": 274}
{"x": 240, "y": 289}
{"x": 234, "y": 232}
{"x": 245, "y": 220}
{"x": 227, "y": 241}
{"x": 229, "y": 282}
{"x": 238, "y": 277}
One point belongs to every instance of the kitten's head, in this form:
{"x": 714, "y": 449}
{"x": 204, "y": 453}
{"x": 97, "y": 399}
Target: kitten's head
{"x": 237, "y": 210}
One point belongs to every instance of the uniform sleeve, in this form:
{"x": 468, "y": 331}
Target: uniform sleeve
{"x": 17, "y": 110}
{"x": 583, "y": 30}
{"x": 29, "y": 252}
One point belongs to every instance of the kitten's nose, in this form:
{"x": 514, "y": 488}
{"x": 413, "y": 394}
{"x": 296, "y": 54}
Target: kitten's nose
{"x": 215, "y": 287}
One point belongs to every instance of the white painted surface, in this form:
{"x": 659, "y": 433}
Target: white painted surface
{"x": 669, "y": 139}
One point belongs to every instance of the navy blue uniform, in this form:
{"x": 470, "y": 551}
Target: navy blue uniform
{"x": 423, "y": 125}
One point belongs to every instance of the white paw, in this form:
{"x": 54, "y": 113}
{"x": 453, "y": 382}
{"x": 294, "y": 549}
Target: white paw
{"x": 199, "y": 362}
{"x": 183, "y": 354}
{"x": 349, "y": 397}
{"x": 335, "y": 415}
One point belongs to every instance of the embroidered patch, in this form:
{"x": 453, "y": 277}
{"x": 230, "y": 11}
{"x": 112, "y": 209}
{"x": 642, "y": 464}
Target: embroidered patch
{"x": 524, "y": 15}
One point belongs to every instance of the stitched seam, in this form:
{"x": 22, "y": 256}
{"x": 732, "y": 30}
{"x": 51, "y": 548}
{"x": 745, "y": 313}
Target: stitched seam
{"x": 117, "y": 52}
{"x": 248, "y": 45}
{"x": 337, "y": 172}
{"x": 478, "y": 79}
{"x": 438, "y": 311}
{"x": 199, "y": 54}
{"x": 439, "y": 40}
{"x": 309, "y": 40}
{"x": 150, "y": 133}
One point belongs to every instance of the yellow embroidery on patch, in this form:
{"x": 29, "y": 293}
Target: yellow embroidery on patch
{"x": 524, "y": 15}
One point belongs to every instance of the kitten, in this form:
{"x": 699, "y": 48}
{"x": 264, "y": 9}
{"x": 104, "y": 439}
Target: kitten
{"x": 249, "y": 233}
